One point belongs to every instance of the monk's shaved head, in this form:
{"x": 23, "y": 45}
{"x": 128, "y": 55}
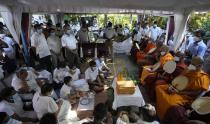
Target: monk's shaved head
{"x": 164, "y": 48}
{"x": 196, "y": 61}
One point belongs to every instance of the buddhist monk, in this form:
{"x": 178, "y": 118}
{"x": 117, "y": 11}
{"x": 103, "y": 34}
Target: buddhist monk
{"x": 164, "y": 57}
{"x": 150, "y": 58}
{"x": 151, "y": 81}
{"x": 142, "y": 54}
{"x": 198, "y": 81}
{"x": 184, "y": 114}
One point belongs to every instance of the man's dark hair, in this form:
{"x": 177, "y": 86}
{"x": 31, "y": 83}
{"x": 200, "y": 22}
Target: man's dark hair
{"x": 6, "y": 93}
{"x": 61, "y": 64}
{"x": 155, "y": 22}
{"x": 109, "y": 24}
{"x": 92, "y": 63}
{"x": 37, "y": 26}
{"x": 3, "y": 115}
{"x": 66, "y": 22}
{"x": 58, "y": 25}
{"x": 46, "y": 88}
{"x": 100, "y": 111}
{"x": 200, "y": 33}
{"x": 67, "y": 79}
{"x": 48, "y": 118}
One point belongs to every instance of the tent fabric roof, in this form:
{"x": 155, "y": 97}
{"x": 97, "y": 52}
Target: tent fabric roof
{"x": 99, "y": 6}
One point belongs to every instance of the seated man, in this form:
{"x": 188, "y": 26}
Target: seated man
{"x": 103, "y": 68}
{"x": 198, "y": 82}
{"x": 74, "y": 73}
{"x": 151, "y": 81}
{"x": 44, "y": 103}
{"x": 6, "y": 106}
{"x": 59, "y": 73}
{"x": 92, "y": 77}
{"x": 66, "y": 88}
{"x": 164, "y": 57}
{"x": 25, "y": 81}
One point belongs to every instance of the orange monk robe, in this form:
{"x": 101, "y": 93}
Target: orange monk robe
{"x": 163, "y": 60}
{"x": 141, "y": 54}
{"x": 180, "y": 67}
{"x": 197, "y": 81}
{"x": 166, "y": 58}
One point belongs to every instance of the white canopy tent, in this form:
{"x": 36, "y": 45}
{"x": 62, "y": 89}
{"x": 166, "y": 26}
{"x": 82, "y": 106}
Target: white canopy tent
{"x": 11, "y": 10}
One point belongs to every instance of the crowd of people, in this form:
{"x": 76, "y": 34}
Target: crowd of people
{"x": 54, "y": 79}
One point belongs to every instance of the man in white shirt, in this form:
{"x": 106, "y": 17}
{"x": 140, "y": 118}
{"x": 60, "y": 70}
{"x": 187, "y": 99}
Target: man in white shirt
{"x": 92, "y": 77}
{"x": 45, "y": 104}
{"x": 154, "y": 32}
{"x": 137, "y": 37}
{"x": 40, "y": 47}
{"x": 66, "y": 88}
{"x": 54, "y": 44}
{"x": 10, "y": 51}
{"x": 69, "y": 43}
{"x": 5, "y": 106}
{"x": 24, "y": 81}
{"x": 109, "y": 34}
{"x": 146, "y": 30}
{"x": 74, "y": 73}
{"x": 59, "y": 73}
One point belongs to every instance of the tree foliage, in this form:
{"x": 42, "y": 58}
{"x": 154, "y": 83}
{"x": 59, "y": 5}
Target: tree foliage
{"x": 199, "y": 21}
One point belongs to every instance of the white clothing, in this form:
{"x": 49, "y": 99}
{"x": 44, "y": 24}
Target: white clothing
{"x": 69, "y": 41}
{"x": 37, "y": 94}
{"x": 13, "y": 121}
{"x": 171, "y": 45}
{"x": 91, "y": 75}
{"x": 126, "y": 31}
{"x": 65, "y": 91}
{"x": 10, "y": 52}
{"x": 120, "y": 121}
{"x": 59, "y": 74}
{"x": 43, "y": 105}
{"x": 7, "y": 39}
{"x": 30, "y": 79}
{"x": 54, "y": 44}
{"x": 17, "y": 106}
{"x": 4, "y": 107}
{"x": 154, "y": 33}
{"x": 109, "y": 33}
{"x": 137, "y": 37}
{"x": 45, "y": 74}
{"x": 75, "y": 76}
{"x": 146, "y": 31}
{"x": 100, "y": 64}
{"x": 79, "y": 84}
{"x": 40, "y": 43}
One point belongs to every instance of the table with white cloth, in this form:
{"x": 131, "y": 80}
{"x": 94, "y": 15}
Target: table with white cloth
{"x": 123, "y": 47}
{"x": 120, "y": 100}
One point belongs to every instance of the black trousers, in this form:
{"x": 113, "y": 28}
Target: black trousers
{"x": 46, "y": 63}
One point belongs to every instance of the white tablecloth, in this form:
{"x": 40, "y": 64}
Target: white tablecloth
{"x": 127, "y": 100}
{"x": 123, "y": 47}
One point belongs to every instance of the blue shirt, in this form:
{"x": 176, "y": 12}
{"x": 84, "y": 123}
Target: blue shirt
{"x": 198, "y": 49}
